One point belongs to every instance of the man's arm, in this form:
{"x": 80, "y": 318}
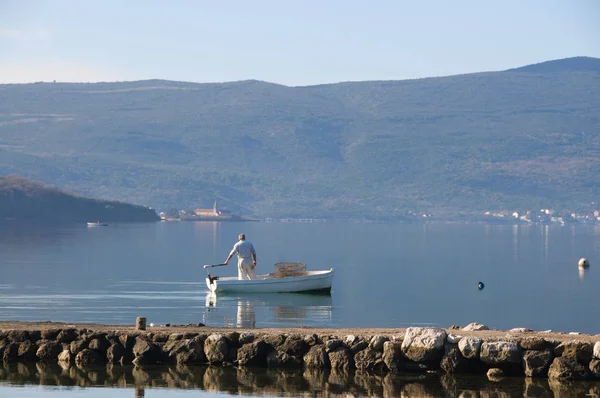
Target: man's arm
{"x": 231, "y": 253}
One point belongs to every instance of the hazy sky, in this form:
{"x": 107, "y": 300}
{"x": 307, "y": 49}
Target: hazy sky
{"x": 298, "y": 42}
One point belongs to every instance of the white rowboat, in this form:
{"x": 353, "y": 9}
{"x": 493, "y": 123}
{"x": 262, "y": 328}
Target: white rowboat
{"x": 310, "y": 282}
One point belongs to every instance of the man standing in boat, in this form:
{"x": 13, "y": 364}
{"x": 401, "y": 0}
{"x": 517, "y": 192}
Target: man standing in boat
{"x": 246, "y": 258}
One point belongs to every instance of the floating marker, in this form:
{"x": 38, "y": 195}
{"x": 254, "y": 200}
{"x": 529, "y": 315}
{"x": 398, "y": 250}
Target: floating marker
{"x": 583, "y": 263}
{"x": 480, "y": 286}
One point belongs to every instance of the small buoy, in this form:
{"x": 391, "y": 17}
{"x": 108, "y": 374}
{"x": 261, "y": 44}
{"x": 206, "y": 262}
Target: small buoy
{"x": 151, "y": 324}
{"x": 480, "y": 286}
{"x": 584, "y": 263}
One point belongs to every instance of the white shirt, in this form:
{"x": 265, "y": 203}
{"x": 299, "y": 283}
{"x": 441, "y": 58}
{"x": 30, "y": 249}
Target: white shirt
{"x": 243, "y": 249}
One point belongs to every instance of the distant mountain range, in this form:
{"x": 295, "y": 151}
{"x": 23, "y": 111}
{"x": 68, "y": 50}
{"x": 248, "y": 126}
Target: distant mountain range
{"x": 24, "y": 200}
{"x": 523, "y": 138}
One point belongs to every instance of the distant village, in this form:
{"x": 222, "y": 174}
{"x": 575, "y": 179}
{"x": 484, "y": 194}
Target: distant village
{"x": 545, "y": 216}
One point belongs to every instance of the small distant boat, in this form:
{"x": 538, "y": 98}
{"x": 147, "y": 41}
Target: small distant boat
{"x": 297, "y": 281}
{"x": 97, "y": 224}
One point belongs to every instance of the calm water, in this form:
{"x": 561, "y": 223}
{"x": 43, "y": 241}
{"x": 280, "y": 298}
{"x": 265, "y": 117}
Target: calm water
{"x": 387, "y": 275}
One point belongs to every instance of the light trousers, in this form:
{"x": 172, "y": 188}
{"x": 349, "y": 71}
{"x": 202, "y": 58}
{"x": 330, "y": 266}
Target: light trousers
{"x": 246, "y": 269}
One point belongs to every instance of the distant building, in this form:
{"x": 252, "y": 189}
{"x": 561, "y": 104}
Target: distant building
{"x": 212, "y": 212}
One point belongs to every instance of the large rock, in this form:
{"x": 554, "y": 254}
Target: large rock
{"x": 115, "y": 354}
{"x": 536, "y": 363}
{"x": 18, "y": 336}
{"x": 279, "y": 359}
{"x": 470, "y": 347}
{"x": 500, "y": 353}
{"x": 49, "y": 334}
{"x": 581, "y": 351}
{"x": 535, "y": 343}
{"x": 377, "y": 341}
{"x": 65, "y": 357}
{"x": 100, "y": 345}
{"x": 253, "y": 354}
{"x": 67, "y": 335}
{"x": 567, "y": 369}
{"x": 424, "y": 344}
{"x": 11, "y": 352}
{"x": 317, "y": 358}
{"x": 333, "y": 344}
{"x": 187, "y": 352}
{"x": 49, "y": 351}
{"x": 216, "y": 348}
{"x": 475, "y": 326}
{"x": 370, "y": 359}
{"x": 146, "y": 351}
{"x": 295, "y": 346}
{"x": 358, "y": 346}
{"x": 453, "y": 361}
{"x": 88, "y": 357}
{"x": 76, "y": 346}
{"x": 27, "y": 351}
{"x": 596, "y": 351}
{"x": 341, "y": 359}
{"x": 392, "y": 356}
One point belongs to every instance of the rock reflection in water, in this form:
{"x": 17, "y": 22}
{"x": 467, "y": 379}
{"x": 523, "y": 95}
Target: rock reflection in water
{"x": 263, "y": 310}
{"x": 282, "y": 382}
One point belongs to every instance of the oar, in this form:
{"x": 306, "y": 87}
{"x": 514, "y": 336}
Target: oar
{"x": 213, "y": 265}
{"x": 212, "y": 278}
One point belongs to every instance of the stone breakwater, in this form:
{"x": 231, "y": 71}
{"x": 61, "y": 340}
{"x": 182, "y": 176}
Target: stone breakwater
{"x": 414, "y": 349}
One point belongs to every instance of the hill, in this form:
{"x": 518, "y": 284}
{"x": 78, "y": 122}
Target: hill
{"x": 377, "y": 149}
{"x": 22, "y": 199}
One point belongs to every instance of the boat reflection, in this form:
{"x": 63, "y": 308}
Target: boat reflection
{"x": 270, "y": 309}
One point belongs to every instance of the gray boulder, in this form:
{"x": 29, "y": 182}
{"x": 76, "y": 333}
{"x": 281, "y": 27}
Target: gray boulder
{"x": 27, "y": 351}
{"x": 341, "y": 359}
{"x": 88, "y": 357}
{"x": 11, "y": 352}
{"x": 295, "y": 346}
{"x": 17, "y": 336}
{"x": 49, "y": 351}
{"x": 317, "y": 358}
{"x": 535, "y": 343}
{"x": 146, "y": 351}
{"x": 596, "y": 350}
{"x": 473, "y": 326}
{"x": 333, "y": 344}
{"x": 536, "y": 362}
{"x": 67, "y": 335}
{"x": 377, "y": 342}
{"x": 115, "y": 354}
{"x": 187, "y": 352}
{"x": 453, "y": 361}
{"x": 65, "y": 357}
{"x": 567, "y": 369}
{"x": 279, "y": 359}
{"x": 370, "y": 360}
{"x": 470, "y": 347}
{"x": 253, "y": 354}
{"x": 424, "y": 344}
{"x": 392, "y": 356}
{"x": 500, "y": 352}
{"x": 216, "y": 348}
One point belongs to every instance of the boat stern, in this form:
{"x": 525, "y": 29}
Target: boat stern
{"x": 211, "y": 284}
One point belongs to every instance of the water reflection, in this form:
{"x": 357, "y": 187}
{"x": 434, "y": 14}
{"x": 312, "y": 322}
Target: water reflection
{"x": 252, "y": 310}
{"x": 285, "y": 382}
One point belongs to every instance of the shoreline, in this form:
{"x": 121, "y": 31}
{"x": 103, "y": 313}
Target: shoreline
{"x": 490, "y": 334}
{"x": 473, "y": 349}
